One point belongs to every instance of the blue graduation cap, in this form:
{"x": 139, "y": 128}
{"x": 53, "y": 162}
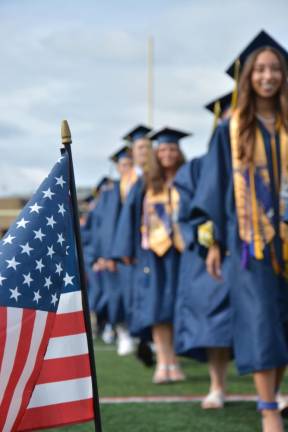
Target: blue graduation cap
{"x": 103, "y": 182}
{"x": 137, "y": 133}
{"x": 123, "y": 152}
{"x": 88, "y": 198}
{"x": 168, "y": 136}
{"x": 263, "y": 39}
{"x": 221, "y": 104}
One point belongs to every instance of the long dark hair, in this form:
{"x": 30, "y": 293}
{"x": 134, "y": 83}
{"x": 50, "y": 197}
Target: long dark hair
{"x": 154, "y": 177}
{"x": 247, "y": 104}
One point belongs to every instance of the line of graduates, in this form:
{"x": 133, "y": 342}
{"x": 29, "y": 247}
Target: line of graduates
{"x": 194, "y": 256}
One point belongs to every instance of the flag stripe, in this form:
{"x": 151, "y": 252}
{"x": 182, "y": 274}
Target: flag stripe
{"x": 38, "y": 363}
{"x": 61, "y": 392}
{"x": 3, "y": 335}
{"x": 60, "y": 414}
{"x": 67, "y": 346}
{"x": 14, "y": 317}
{"x": 29, "y": 368}
{"x": 22, "y": 320}
{"x": 65, "y": 369}
{"x": 68, "y": 324}
{"x": 70, "y": 302}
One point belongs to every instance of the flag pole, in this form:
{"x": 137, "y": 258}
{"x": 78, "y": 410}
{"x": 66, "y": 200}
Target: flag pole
{"x": 67, "y": 141}
{"x": 150, "y": 82}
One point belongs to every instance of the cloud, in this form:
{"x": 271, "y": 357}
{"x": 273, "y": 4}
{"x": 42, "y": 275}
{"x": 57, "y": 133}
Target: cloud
{"x": 10, "y": 130}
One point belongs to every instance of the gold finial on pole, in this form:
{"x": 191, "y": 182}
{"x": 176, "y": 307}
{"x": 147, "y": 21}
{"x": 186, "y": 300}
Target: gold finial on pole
{"x": 65, "y": 133}
{"x": 150, "y": 83}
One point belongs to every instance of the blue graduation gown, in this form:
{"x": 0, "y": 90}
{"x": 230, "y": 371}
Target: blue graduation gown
{"x": 258, "y": 295}
{"x": 203, "y": 313}
{"x": 92, "y": 282}
{"x": 97, "y": 295}
{"x": 154, "y": 280}
{"x": 117, "y": 284}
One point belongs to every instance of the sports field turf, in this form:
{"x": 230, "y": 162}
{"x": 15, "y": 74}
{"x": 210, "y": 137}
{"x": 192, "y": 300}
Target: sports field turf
{"x": 124, "y": 376}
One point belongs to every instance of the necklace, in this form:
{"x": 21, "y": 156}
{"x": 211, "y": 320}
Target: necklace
{"x": 269, "y": 120}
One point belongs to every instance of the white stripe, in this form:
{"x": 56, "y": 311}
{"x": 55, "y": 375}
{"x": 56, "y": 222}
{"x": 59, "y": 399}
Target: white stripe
{"x": 37, "y": 335}
{"x": 67, "y": 346}
{"x": 13, "y": 329}
{"x": 171, "y": 399}
{"x": 70, "y": 302}
{"x": 61, "y": 392}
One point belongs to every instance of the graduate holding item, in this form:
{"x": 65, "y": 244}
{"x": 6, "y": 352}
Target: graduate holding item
{"x": 202, "y": 323}
{"x": 241, "y": 191}
{"x": 148, "y": 236}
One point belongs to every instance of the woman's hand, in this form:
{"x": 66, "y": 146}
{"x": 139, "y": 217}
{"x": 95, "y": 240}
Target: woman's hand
{"x": 111, "y": 265}
{"x": 99, "y": 265}
{"x": 213, "y": 262}
{"x": 128, "y": 260}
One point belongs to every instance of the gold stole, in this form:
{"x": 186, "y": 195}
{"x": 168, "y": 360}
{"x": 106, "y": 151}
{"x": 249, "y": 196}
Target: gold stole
{"x": 126, "y": 183}
{"x": 255, "y": 226}
{"x": 161, "y": 232}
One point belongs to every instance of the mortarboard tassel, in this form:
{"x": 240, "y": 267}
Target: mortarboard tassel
{"x": 217, "y": 113}
{"x": 236, "y": 78}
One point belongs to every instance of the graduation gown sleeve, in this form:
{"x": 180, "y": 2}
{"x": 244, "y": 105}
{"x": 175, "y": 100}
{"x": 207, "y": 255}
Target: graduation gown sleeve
{"x": 186, "y": 181}
{"x": 128, "y": 232}
{"x": 214, "y": 196}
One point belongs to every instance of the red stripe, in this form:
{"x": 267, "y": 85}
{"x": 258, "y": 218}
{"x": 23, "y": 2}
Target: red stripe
{"x": 20, "y": 359}
{"x": 65, "y": 369}
{"x": 32, "y": 381}
{"x": 68, "y": 324}
{"x": 3, "y": 333}
{"x": 57, "y": 415}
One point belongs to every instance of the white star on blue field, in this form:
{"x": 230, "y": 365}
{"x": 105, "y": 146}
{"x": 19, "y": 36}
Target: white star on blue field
{"x": 86, "y": 62}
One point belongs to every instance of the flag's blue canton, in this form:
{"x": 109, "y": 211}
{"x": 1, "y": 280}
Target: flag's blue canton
{"x": 37, "y": 255}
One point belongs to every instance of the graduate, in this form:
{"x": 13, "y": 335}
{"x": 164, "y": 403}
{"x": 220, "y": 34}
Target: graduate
{"x": 116, "y": 278}
{"x": 97, "y": 295}
{"x": 202, "y": 325}
{"x": 85, "y": 216}
{"x": 140, "y": 143}
{"x": 148, "y": 236}
{"x": 242, "y": 191}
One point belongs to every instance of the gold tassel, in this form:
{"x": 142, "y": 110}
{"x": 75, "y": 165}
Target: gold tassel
{"x": 217, "y": 113}
{"x": 257, "y": 238}
{"x": 236, "y": 78}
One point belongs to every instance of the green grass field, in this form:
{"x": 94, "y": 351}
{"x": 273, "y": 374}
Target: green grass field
{"x": 124, "y": 376}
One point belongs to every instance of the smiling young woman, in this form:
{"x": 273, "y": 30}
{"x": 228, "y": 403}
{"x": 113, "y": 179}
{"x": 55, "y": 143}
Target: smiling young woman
{"x": 152, "y": 241}
{"x": 241, "y": 190}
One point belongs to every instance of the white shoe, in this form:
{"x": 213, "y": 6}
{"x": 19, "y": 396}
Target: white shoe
{"x": 108, "y": 334}
{"x": 214, "y": 400}
{"x": 282, "y": 404}
{"x": 126, "y": 344}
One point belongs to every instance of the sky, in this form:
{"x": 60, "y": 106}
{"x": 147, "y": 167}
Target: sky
{"x": 86, "y": 61}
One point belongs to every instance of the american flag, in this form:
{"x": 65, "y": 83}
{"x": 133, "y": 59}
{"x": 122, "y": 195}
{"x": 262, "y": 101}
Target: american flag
{"x": 45, "y": 377}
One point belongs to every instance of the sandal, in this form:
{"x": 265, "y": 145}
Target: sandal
{"x": 175, "y": 373}
{"x": 161, "y": 375}
{"x": 214, "y": 400}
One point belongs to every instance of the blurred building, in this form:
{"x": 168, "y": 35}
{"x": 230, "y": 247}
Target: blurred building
{"x": 10, "y": 207}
